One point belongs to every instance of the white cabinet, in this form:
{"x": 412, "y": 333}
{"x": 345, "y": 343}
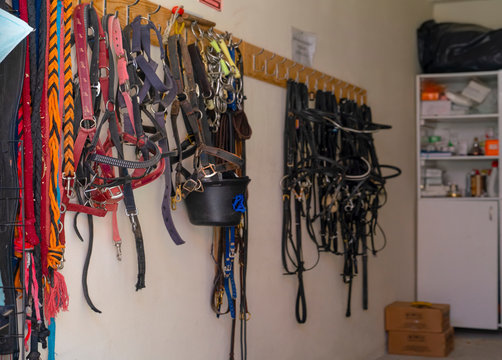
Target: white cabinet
{"x": 458, "y": 260}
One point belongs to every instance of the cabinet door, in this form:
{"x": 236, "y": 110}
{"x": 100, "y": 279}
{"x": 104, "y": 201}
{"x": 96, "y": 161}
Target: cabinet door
{"x": 457, "y": 259}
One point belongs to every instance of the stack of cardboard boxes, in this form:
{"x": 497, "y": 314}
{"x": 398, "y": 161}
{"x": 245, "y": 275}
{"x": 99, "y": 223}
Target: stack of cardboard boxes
{"x": 421, "y": 329}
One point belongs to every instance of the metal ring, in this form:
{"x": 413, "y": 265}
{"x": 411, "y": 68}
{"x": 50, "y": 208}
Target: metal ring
{"x": 92, "y": 123}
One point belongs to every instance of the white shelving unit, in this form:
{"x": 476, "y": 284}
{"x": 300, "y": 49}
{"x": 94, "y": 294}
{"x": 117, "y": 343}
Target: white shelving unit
{"x": 458, "y": 248}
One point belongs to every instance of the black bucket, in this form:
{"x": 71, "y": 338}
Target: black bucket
{"x": 220, "y": 204}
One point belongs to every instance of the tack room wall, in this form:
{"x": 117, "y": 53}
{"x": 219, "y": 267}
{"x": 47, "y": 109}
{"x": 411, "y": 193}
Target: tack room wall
{"x": 369, "y": 43}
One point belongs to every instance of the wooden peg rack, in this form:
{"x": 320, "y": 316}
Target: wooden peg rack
{"x": 259, "y": 63}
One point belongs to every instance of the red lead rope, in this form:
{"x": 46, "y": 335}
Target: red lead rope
{"x": 31, "y": 236}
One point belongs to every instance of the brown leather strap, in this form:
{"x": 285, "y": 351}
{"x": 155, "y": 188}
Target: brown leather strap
{"x": 241, "y": 125}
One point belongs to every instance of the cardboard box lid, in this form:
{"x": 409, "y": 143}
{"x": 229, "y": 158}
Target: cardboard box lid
{"x": 445, "y": 308}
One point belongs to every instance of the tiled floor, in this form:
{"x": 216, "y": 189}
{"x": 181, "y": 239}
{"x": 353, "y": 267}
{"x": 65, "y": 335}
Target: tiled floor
{"x": 469, "y": 345}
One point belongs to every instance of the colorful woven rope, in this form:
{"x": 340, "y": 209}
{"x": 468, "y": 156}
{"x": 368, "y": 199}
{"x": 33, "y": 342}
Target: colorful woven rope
{"x": 68, "y": 162}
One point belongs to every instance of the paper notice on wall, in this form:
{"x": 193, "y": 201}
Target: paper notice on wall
{"x": 303, "y": 45}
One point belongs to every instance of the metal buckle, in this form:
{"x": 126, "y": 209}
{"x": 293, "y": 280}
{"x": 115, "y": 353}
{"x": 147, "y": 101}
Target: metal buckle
{"x": 135, "y": 54}
{"x": 191, "y": 185}
{"x": 115, "y": 192}
{"x": 101, "y": 205}
{"x": 209, "y": 167}
{"x": 104, "y": 72}
{"x": 124, "y": 87}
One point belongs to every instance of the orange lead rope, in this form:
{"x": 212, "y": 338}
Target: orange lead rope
{"x": 56, "y": 295}
{"x": 68, "y": 162}
{"x": 68, "y": 168}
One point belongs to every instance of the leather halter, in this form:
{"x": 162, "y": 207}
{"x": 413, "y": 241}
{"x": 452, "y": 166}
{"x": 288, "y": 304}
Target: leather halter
{"x": 104, "y": 188}
{"x": 187, "y": 102}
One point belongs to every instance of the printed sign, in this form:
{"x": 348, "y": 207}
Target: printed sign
{"x": 215, "y": 4}
{"x": 303, "y": 45}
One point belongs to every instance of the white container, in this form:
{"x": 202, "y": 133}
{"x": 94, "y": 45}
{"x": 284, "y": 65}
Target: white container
{"x": 437, "y": 107}
{"x": 476, "y": 91}
{"x": 492, "y": 181}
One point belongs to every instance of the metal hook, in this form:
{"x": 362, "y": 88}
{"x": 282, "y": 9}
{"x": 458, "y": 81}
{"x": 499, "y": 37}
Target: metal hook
{"x": 127, "y": 10}
{"x": 237, "y": 43}
{"x": 359, "y": 95}
{"x": 276, "y": 71}
{"x": 200, "y": 36}
{"x": 152, "y": 13}
{"x": 355, "y": 92}
{"x": 363, "y": 96}
{"x": 343, "y": 88}
{"x": 334, "y": 84}
{"x": 298, "y": 73}
{"x": 286, "y": 74}
{"x": 317, "y": 82}
{"x": 265, "y": 66}
{"x": 254, "y": 59}
{"x": 307, "y": 78}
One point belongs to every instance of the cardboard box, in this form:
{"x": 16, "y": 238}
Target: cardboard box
{"x": 476, "y": 91}
{"x": 424, "y": 317}
{"x": 439, "y": 107}
{"x": 491, "y": 147}
{"x": 431, "y": 181}
{"x": 421, "y": 343}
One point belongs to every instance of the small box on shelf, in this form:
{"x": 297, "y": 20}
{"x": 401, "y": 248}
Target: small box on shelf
{"x": 476, "y": 91}
{"x": 491, "y": 147}
{"x": 436, "y": 107}
{"x": 435, "y": 191}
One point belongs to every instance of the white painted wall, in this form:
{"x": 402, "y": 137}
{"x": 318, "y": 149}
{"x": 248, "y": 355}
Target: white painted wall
{"x": 369, "y": 43}
{"x": 481, "y": 12}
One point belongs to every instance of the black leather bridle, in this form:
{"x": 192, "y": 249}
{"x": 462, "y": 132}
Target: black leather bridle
{"x": 333, "y": 185}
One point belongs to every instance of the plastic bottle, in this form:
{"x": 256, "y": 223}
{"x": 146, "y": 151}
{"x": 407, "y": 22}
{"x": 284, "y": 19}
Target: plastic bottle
{"x": 476, "y": 149}
{"x": 492, "y": 180}
{"x": 476, "y": 184}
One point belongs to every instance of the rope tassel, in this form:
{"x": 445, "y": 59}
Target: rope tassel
{"x": 56, "y": 296}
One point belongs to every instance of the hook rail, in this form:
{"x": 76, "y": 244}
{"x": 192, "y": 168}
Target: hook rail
{"x": 259, "y": 63}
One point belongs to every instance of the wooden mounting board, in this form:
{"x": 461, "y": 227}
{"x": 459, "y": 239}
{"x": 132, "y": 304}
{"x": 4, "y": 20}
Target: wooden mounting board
{"x": 259, "y": 63}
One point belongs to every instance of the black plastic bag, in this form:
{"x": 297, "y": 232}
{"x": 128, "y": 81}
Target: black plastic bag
{"x": 454, "y": 47}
